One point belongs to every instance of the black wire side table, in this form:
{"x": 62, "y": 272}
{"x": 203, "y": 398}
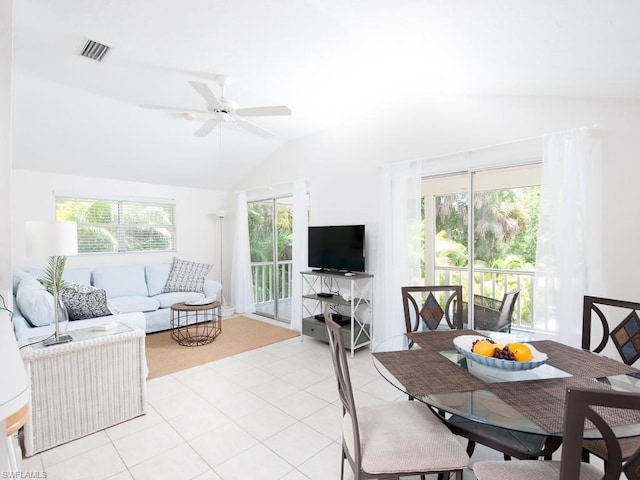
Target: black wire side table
{"x": 194, "y": 325}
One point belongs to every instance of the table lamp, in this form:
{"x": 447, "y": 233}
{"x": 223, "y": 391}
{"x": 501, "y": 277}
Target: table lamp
{"x": 55, "y": 240}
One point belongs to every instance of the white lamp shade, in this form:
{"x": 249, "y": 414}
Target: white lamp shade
{"x": 51, "y": 239}
{"x": 222, "y": 213}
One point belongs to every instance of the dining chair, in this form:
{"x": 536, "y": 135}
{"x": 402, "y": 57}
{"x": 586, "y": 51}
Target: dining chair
{"x": 426, "y": 306}
{"x": 607, "y": 322}
{"x": 492, "y": 314}
{"x": 579, "y": 406}
{"x": 392, "y": 439}
{"x": 424, "y": 309}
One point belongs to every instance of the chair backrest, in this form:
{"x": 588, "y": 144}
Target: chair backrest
{"x": 618, "y": 320}
{"x": 492, "y": 314}
{"x": 345, "y": 391}
{"x": 579, "y": 405}
{"x": 429, "y": 305}
{"x": 506, "y": 310}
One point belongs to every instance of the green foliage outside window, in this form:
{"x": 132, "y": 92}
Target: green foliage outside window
{"x": 505, "y": 239}
{"x": 110, "y": 226}
{"x": 506, "y": 227}
{"x": 260, "y": 216}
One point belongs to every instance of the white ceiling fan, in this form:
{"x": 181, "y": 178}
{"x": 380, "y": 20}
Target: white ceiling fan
{"x": 218, "y": 110}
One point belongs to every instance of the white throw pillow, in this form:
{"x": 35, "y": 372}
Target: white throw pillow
{"x": 186, "y": 276}
{"x": 35, "y": 302}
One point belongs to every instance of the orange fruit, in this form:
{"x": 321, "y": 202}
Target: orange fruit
{"x": 521, "y": 352}
{"x": 484, "y": 347}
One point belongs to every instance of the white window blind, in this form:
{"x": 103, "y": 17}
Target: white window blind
{"x": 120, "y": 225}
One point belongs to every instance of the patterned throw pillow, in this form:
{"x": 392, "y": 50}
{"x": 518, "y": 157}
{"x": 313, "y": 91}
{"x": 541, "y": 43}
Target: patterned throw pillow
{"x": 85, "y": 301}
{"x": 186, "y": 276}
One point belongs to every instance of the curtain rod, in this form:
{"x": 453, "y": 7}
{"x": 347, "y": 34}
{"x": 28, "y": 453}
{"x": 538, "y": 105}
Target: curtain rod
{"x": 489, "y": 147}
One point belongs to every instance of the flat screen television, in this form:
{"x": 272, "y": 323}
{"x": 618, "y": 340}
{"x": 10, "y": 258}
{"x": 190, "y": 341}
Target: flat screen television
{"x": 337, "y": 248}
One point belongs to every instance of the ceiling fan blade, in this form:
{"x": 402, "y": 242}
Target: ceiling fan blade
{"x": 253, "y": 128}
{"x": 207, "y": 127}
{"x": 263, "y": 111}
{"x": 174, "y": 109}
{"x": 208, "y": 95}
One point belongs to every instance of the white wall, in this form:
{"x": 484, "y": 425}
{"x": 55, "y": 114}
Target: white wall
{"x": 197, "y": 235}
{"x": 6, "y": 45}
{"x": 342, "y": 166}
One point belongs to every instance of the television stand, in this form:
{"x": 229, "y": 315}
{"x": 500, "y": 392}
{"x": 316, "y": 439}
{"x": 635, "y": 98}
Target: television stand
{"x": 352, "y": 306}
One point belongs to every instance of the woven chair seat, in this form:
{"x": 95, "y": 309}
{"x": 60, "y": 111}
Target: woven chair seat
{"x": 533, "y": 469}
{"x": 627, "y": 445}
{"x": 403, "y": 437}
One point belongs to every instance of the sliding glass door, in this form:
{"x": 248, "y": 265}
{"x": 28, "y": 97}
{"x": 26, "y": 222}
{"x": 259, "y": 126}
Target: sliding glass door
{"x": 496, "y": 208}
{"x": 270, "y": 237}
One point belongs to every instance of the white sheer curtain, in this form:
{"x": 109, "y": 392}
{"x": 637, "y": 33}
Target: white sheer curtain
{"x": 242, "y": 292}
{"x": 300, "y": 247}
{"x": 569, "y": 250}
{"x": 398, "y": 260}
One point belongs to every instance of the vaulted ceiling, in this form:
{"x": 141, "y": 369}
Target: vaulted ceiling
{"x": 329, "y": 61}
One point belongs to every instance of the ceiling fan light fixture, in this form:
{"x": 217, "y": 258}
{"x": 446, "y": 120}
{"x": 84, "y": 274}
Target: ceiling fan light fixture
{"x": 229, "y": 105}
{"x": 219, "y": 109}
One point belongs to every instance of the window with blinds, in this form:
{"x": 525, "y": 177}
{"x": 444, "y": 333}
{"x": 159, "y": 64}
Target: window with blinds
{"x": 120, "y": 225}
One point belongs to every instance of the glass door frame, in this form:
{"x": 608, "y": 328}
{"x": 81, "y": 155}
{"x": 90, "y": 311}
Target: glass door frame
{"x": 275, "y": 277}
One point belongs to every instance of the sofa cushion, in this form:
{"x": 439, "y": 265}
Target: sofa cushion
{"x": 135, "y": 303}
{"x": 77, "y": 275}
{"x": 71, "y": 275}
{"x": 85, "y": 301}
{"x": 156, "y": 276}
{"x": 121, "y": 281}
{"x": 171, "y": 298}
{"x": 186, "y": 276}
{"x": 18, "y": 277}
{"x": 35, "y": 302}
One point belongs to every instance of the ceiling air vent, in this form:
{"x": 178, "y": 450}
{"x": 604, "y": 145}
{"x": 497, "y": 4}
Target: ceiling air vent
{"x": 94, "y": 50}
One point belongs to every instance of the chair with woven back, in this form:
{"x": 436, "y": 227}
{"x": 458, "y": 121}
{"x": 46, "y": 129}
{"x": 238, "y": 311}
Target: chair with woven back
{"x": 393, "y": 439}
{"x": 607, "y": 322}
{"x": 579, "y": 406}
{"x": 433, "y": 307}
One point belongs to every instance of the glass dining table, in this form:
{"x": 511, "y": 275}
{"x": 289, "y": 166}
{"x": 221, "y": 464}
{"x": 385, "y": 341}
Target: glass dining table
{"x": 426, "y": 366}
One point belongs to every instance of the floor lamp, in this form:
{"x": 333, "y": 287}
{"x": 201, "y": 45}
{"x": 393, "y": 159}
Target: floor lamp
{"x": 55, "y": 240}
{"x": 221, "y": 214}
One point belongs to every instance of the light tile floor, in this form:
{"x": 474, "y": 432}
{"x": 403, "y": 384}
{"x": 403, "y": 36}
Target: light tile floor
{"x": 271, "y": 413}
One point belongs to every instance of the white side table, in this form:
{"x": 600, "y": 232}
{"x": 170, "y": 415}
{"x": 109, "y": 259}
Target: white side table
{"x": 80, "y": 387}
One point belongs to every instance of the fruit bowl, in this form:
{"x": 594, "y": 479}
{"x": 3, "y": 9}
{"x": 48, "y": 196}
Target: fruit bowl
{"x": 463, "y": 345}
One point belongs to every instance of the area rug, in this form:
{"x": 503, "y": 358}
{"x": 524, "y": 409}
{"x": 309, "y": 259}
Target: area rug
{"x": 239, "y": 334}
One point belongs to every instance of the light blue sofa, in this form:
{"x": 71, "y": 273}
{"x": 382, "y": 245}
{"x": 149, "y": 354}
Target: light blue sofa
{"x": 135, "y": 291}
